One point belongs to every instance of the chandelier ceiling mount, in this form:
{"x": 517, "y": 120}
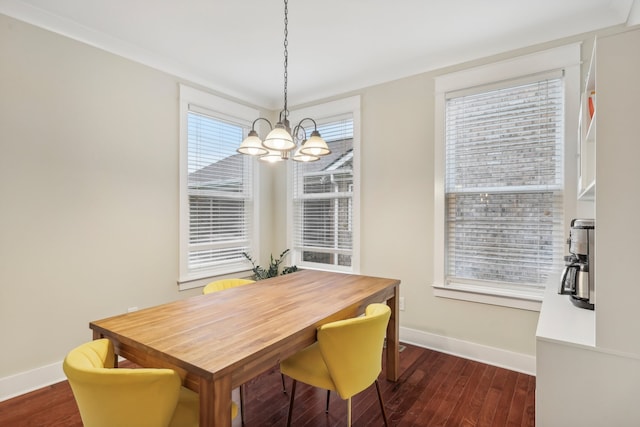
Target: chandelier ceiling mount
{"x": 281, "y": 141}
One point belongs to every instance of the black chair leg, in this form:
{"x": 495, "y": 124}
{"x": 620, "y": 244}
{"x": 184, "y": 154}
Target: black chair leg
{"x": 328, "y": 395}
{"x": 384, "y": 412}
{"x": 284, "y": 388}
{"x": 242, "y": 403}
{"x": 293, "y": 393}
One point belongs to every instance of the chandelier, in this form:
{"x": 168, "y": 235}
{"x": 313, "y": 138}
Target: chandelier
{"x": 281, "y": 142}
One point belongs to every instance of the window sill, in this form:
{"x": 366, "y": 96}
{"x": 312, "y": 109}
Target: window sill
{"x": 504, "y": 298}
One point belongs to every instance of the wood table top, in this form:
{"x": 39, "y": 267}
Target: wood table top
{"x": 235, "y": 330}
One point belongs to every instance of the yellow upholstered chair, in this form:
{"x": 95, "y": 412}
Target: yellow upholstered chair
{"x": 123, "y": 397}
{"x": 347, "y": 358}
{"x": 220, "y": 285}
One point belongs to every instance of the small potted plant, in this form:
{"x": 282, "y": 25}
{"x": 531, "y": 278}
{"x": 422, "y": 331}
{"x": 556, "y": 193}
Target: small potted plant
{"x": 261, "y": 273}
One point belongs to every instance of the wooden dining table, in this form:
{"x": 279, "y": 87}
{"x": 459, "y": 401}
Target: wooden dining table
{"x": 218, "y": 341}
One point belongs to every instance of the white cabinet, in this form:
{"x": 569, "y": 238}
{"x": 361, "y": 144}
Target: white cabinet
{"x": 617, "y": 201}
{"x": 588, "y": 363}
{"x": 587, "y": 134}
{"x": 578, "y": 383}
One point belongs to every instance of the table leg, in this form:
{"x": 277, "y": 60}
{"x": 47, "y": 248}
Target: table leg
{"x": 215, "y": 402}
{"x": 393, "y": 337}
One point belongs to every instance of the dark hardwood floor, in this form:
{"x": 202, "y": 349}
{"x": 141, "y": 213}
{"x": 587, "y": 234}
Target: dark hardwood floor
{"x": 434, "y": 389}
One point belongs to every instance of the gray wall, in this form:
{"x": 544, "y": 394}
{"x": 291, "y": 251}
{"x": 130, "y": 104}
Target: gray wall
{"x": 88, "y": 192}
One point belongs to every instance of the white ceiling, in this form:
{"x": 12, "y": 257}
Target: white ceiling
{"x": 236, "y": 46}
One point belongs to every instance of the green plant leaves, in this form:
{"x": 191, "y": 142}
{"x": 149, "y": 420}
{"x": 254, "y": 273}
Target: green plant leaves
{"x": 261, "y": 273}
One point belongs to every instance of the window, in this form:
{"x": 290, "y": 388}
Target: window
{"x": 216, "y": 188}
{"x": 324, "y": 230}
{"x": 504, "y": 185}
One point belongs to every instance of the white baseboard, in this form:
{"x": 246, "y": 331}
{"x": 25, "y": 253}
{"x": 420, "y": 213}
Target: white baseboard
{"x": 493, "y": 356}
{"x": 24, "y": 382}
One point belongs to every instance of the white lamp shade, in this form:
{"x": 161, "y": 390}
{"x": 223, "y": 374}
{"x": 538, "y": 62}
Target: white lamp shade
{"x": 279, "y": 139}
{"x": 299, "y": 157}
{"x": 252, "y": 145}
{"x": 271, "y": 157}
{"x": 315, "y": 146}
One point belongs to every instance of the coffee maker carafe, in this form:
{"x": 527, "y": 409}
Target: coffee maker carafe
{"x": 578, "y": 278}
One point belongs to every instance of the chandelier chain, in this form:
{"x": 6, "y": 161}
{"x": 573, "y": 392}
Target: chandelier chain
{"x": 281, "y": 143}
{"x": 286, "y": 55}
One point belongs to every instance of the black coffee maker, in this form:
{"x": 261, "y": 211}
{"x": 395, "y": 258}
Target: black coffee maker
{"x": 578, "y": 278}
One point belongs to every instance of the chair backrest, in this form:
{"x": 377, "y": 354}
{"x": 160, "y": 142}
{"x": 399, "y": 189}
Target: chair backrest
{"x": 119, "y": 397}
{"x": 352, "y": 349}
{"x": 220, "y": 285}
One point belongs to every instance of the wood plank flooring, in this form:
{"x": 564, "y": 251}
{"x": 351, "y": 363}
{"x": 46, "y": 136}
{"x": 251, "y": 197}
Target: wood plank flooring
{"x": 434, "y": 389}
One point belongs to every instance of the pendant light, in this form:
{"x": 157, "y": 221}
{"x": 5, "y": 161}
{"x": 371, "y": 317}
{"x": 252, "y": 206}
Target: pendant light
{"x": 280, "y": 141}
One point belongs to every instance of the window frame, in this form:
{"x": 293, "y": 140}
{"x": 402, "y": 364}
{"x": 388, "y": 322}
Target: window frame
{"x": 564, "y": 57}
{"x": 224, "y": 110}
{"x": 320, "y": 112}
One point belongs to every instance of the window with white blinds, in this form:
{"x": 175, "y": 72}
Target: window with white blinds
{"x": 219, "y": 193}
{"x": 217, "y": 190}
{"x": 504, "y": 184}
{"x": 323, "y": 201}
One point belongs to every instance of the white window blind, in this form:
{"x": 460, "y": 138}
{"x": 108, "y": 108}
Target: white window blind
{"x": 323, "y": 201}
{"x": 503, "y": 184}
{"x": 220, "y": 194}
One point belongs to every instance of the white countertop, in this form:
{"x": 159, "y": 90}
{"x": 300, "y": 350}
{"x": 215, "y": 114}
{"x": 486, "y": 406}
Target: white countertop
{"x": 562, "y": 322}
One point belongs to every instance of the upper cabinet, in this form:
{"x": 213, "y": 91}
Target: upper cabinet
{"x": 587, "y": 134}
{"x": 617, "y": 200}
